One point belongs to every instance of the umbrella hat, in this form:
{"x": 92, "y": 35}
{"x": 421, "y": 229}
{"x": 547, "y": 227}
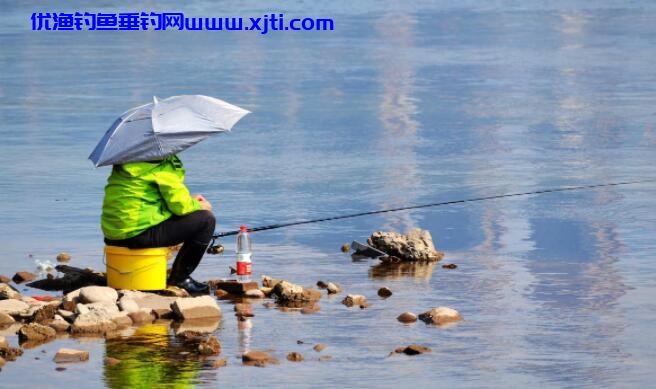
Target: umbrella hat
{"x": 164, "y": 127}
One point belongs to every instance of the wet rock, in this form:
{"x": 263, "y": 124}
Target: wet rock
{"x": 35, "y": 332}
{"x": 310, "y": 308}
{"x": 346, "y": 248}
{"x": 211, "y": 346}
{"x": 294, "y": 357}
{"x": 4, "y": 279}
{"x": 6, "y": 320}
{"x": 333, "y": 288}
{"x": 322, "y": 284}
{"x": 407, "y": 317}
{"x": 450, "y": 266}
{"x": 23, "y": 276}
{"x": 355, "y": 300}
{"x": 384, "y": 292}
{"x": 286, "y": 292}
{"x": 440, "y": 316}
{"x": 13, "y": 307}
{"x": 141, "y": 316}
{"x": 319, "y": 347}
{"x": 257, "y": 358}
{"x": 59, "y": 324}
{"x": 95, "y": 322}
{"x": 9, "y": 353}
{"x": 269, "y": 282}
{"x": 46, "y": 313}
{"x": 254, "y": 293}
{"x": 98, "y": 294}
{"x": 8, "y": 292}
{"x": 220, "y": 293}
{"x": 416, "y": 245}
{"x": 65, "y": 355}
{"x": 220, "y": 363}
{"x": 196, "y": 307}
{"x": 413, "y": 349}
{"x": 122, "y": 320}
{"x": 63, "y": 257}
{"x": 109, "y": 361}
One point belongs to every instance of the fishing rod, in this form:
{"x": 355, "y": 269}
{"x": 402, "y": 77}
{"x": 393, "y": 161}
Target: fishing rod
{"x": 452, "y": 202}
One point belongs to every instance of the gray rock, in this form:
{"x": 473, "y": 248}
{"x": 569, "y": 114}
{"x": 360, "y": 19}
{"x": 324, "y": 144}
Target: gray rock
{"x": 196, "y": 307}
{"x": 13, "y": 307}
{"x": 98, "y": 294}
{"x": 416, "y": 245}
{"x": 440, "y": 316}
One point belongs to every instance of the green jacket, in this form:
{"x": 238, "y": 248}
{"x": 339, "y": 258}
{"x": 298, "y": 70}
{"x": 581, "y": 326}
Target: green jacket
{"x": 140, "y": 195}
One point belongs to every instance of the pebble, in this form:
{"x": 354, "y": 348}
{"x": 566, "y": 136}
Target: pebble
{"x": 407, "y": 317}
{"x": 63, "y": 257}
{"x": 346, "y": 248}
{"x": 319, "y": 347}
{"x": 384, "y": 292}
{"x": 294, "y": 357}
{"x": 450, "y": 266}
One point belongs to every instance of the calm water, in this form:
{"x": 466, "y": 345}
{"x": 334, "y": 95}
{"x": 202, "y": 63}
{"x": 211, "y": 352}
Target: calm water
{"x": 400, "y": 105}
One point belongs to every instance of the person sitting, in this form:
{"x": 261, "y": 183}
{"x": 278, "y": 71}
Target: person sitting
{"x": 147, "y": 205}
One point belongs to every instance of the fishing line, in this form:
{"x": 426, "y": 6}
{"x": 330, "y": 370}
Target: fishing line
{"x": 471, "y": 200}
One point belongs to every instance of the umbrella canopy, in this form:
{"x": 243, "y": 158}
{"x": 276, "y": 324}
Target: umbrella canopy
{"x": 164, "y": 127}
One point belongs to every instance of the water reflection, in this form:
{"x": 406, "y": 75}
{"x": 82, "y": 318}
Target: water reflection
{"x": 150, "y": 358}
{"x": 390, "y": 271}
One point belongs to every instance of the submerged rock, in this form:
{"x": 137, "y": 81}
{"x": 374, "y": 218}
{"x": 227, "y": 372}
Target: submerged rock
{"x": 407, "y": 317}
{"x": 440, "y": 316}
{"x": 319, "y": 347}
{"x": 294, "y": 357}
{"x": 384, "y": 292}
{"x": 71, "y": 355}
{"x": 63, "y": 257}
{"x": 258, "y": 358}
{"x": 211, "y": 346}
{"x": 413, "y": 349}
{"x": 416, "y": 245}
{"x": 355, "y": 300}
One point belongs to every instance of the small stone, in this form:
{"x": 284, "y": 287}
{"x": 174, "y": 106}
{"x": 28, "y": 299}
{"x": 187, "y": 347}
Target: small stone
{"x": 355, "y": 300}
{"x": 143, "y": 315}
{"x": 346, "y": 248}
{"x": 220, "y": 363}
{"x": 450, "y": 266}
{"x": 63, "y": 257}
{"x": 300, "y": 342}
{"x": 196, "y": 307}
{"x": 220, "y": 293}
{"x": 35, "y": 332}
{"x": 98, "y": 294}
{"x": 322, "y": 284}
{"x": 211, "y": 346}
{"x": 384, "y": 292}
{"x": 413, "y": 349}
{"x": 254, "y": 293}
{"x": 6, "y": 320}
{"x": 71, "y": 355}
{"x": 294, "y": 357}
{"x": 319, "y": 347}
{"x": 23, "y": 276}
{"x": 333, "y": 288}
{"x": 109, "y": 361}
{"x": 59, "y": 368}
{"x": 257, "y": 358}
{"x": 440, "y": 316}
{"x": 407, "y": 317}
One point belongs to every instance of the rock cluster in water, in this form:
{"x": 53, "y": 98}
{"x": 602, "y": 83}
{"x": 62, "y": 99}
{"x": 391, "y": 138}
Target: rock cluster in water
{"x": 416, "y": 245}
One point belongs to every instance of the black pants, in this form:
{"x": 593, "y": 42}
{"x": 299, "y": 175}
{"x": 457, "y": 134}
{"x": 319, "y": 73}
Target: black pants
{"x": 195, "y": 228}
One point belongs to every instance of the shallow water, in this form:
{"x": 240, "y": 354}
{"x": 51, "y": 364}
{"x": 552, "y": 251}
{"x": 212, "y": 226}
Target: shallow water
{"x": 400, "y": 105}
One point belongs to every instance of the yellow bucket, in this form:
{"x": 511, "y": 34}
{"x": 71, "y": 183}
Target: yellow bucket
{"x": 136, "y": 269}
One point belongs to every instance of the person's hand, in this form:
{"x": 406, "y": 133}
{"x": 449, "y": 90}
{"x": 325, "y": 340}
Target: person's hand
{"x": 204, "y": 204}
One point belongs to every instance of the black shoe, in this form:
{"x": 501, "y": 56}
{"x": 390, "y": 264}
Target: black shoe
{"x": 192, "y": 286}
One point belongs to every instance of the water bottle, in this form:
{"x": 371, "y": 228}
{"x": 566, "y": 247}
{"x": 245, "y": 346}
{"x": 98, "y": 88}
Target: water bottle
{"x": 243, "y": 255}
